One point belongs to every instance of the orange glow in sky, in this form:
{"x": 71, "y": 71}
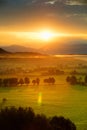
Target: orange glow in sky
{"x": 34, "y": 38}
{"x": 44, "y": 35}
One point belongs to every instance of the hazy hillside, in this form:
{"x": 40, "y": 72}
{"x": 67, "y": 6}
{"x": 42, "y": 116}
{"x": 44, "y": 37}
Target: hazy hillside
{"x": 2, "y": 51}
{"x": 66, "y": 47}
{"x": 18, "y": 48}
{"x": 21, "y": 53}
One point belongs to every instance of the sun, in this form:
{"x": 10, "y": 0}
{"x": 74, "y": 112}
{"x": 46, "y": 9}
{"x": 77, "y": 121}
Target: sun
{"x": 46, "y": 35}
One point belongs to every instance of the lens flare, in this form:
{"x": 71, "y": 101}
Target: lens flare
{"x": 40, "y": 98}
{"x": 46, "y": 35}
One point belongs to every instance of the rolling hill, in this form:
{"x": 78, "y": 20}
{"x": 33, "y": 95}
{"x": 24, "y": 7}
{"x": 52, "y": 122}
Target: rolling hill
{"x": 18, "y": 48}
{"x": 19, "y": 51}
{"x": 2, "y": 51}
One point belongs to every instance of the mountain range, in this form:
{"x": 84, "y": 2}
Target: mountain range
{"x": 65, "y": 47}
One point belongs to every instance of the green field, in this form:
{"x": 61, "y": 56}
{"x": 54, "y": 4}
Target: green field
{"x": 59, "y": 99}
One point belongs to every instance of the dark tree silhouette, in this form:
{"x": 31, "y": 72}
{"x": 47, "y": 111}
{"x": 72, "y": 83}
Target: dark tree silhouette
{"x": 41, "y": 123}
{"x": 21, "y": 81}
{"x": 46, "y": 81}
{"x": 72, "y": 80}
{"x": 85, "y": 79}
{"x": 5, "y": 82}
{"x": 37, "y": 81}
{"x": 13, "y": 82}
{"x": 0, "y": 82}
{"x": 10, "y": 82}
{"x": 34, "y": 82}
{"x": 50, "y": 80}
{"x": 74, "y": 72}
{"x": 68, "y": 78}
{"x": 60, "y": 123}
{"x": 4, "y": 100}
{"x": 25, "y": 119}
{"x": 26, "y": 80}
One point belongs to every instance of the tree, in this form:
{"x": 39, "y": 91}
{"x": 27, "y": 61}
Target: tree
{"x": 25, "y": 119}
{"x": 86, "y": 79}
{"x": 37, "y": 81}
{"x": 52, "y": 80}
{"x": 34, "y": 82}
{"x": 0, "y": 82}
{"x": 60, "y": 123}
{"x": 13, "y": 82}
{"x": 21, "y": 81}
{"x": 26, "y": 80}
{"x": 45, "y": 80}
{"x": 5, "y": 82}
{"x": 68, "y": 78}
{"x": 72, "y": 80}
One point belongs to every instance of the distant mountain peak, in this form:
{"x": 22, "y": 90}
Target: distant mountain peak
{"x": 2, "y": 51}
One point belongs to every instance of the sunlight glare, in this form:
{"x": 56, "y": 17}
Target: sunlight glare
{"x": 40, "y": 98}
{"x": 46, "y": 35}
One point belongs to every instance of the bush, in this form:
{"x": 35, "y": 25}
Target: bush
{"x": 25, "y": 119}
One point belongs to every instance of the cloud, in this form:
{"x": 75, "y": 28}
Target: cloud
{"x": 82, "y": 1}
{"x": 77, "y": 2}
{"x": 3, "y": 2}
{"x": 68, "y": 12}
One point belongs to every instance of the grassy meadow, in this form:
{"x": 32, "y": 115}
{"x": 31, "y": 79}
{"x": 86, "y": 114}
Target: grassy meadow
{"x": 61, "y": 98}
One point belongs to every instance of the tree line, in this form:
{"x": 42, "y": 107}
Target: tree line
{"x": 25, "y": 119}
{"x": 73, "y": 80}
{"x": 7, "y": 82}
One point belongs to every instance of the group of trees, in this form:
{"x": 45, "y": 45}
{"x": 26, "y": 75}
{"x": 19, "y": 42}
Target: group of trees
{"x": 50, "y": 80}
{"x": 53, "y": 71}
{"x": 36, "y": 81}
{"x": 73, "y": 80}
{"x": 75, "y": 72}
{"x": 14, "y": 81}
{"x": 7, "y": 82}
{"x": 25, "y": 119}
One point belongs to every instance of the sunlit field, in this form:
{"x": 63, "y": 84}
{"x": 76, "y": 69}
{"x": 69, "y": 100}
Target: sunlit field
{"x": 60, "y": 98}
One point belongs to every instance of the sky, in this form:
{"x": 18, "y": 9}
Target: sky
{"x": 59, "y": 16}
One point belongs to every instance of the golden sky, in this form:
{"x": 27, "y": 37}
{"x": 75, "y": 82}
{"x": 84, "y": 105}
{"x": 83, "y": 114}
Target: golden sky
{"x": 23, "y": 22}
